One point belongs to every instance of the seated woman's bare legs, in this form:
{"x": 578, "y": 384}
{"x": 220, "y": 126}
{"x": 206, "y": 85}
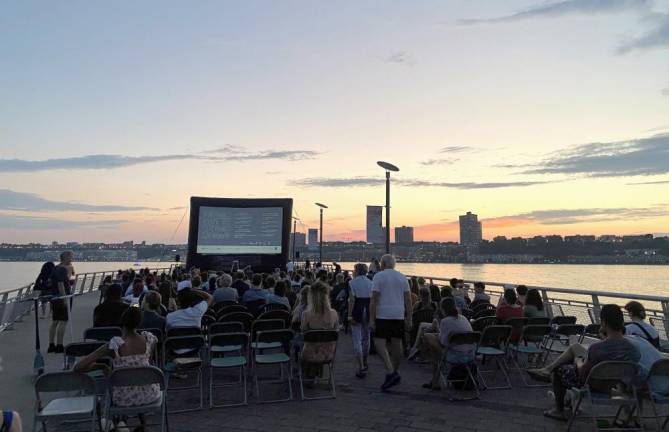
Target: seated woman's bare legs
{"x": 567, "y": 357}
{"x": 433, "y": 349}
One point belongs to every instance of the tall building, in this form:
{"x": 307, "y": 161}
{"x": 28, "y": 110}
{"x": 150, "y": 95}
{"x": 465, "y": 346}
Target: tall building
{"x": 300, "y": 240}
{"x": 313, "y": 239}
{"x": 375, "y": 233}
{"x": 403, "y": 235}
{"x": 471, "y": 233}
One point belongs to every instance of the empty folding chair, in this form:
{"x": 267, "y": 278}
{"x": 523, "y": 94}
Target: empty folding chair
{"x": 320, "y": 337}
{"x": 456, "y": 357}
{"x": 283, "y": 337}
{"x": 102, "y": 333}
{"x": 561, "y": 337}
{"x": 611, "y": 384}
{"x": 183, "y": 331}
{"x": 263, "y": 325}
{"x": 591, "y": 331}
{"x": 493, "y": 344}
{"x": 76, "y": 399}
{"x": 76, "y": 350}
{"x": 538, "y": 321}
{"x": 183, "y": 355}
{"x": 530, "y": 345}
{"x": 564, "y": 319}
{"x": 485, "y": 313}
{"x": 482, "y": 323}
{"x": 235, "y": 344}
{"x": 138, "y": 376}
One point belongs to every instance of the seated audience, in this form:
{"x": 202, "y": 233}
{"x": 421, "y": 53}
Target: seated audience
{"x": 510, "y": 309}
{"x": 279, "y": 295}
{"x": 224, "y": 291}
{"x": 256, "y": 292}
{"x": 108, "y": 313}
{"x": 638, "y": 326}
{"x": 318, "y": 316}
{"x": 435, "y": 344}
{"x": 137, "y": 290}
{"x": 521, "y": 292}
{"x": 425, "y": 303}
{"x": 570, "y": 370}
{"x": 130, "y": 349}
{"x": 152, "y": 311}
{"x": 480, "y": 296}
{"x": 193, "y": 303}
{"x": 534, "y": 305}
{"x": 239, "y": 284}
{"x": 167, "y": 295}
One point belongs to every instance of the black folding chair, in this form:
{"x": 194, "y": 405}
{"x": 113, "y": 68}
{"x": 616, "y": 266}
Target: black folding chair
{"x": 276, "y": 314}
{"x": 320, "y": 337}
{"x": 243, "y": 317}
{"x": 102, "y": 333}
{"x": 467, "y": 363}
{"x": 494, "y": 343}
{"x": 284, "y": 338}
{"x": 185, "y": 356}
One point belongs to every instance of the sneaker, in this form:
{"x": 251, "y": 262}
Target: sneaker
{"x": 59, "y": 349}
{"x": 413, "y": 353}
{"x": 52, "y": 348}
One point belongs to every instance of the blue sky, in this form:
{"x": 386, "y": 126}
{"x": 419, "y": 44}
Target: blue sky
{"x": 120, "y": 111}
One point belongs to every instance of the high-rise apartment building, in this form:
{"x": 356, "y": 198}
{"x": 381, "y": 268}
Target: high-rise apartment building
{"x": 313, "y": 239}
{"x": 375, "y": 233}
{"x": 471, "y": 233}
{"x": 300, "y": 240}
{"x": 403, "y": 235}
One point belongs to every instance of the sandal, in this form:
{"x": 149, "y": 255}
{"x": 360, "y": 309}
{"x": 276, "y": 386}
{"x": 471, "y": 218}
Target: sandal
{"x": 555, "y": 415}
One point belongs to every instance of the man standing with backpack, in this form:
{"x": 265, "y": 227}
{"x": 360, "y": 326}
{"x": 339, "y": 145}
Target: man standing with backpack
{"x": 60, "y": 283}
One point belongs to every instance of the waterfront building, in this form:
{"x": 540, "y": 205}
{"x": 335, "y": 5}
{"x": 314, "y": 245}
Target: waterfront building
{"x": 403, "y": 235}
{"x": 313, "y": 239}
{"x": 375, "y": 232}
{"x": 471, "y": 233}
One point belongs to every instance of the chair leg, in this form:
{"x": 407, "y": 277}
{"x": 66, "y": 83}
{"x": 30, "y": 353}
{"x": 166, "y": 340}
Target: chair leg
{"x": 211, "y": 386}
{"x": 290, "y": 381}
{"x": 574, "y": 412}
{"x": 299, "y": 377}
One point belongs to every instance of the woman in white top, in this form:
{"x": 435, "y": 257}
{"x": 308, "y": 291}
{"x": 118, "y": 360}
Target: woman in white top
{"x": 639, "y": 327}
{"x": 358, "y": 314}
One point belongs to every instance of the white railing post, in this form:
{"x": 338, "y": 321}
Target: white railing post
{"x": 83, "y": 283}
{"x": 665, "y": 311}
{"x": 90, "y": 287}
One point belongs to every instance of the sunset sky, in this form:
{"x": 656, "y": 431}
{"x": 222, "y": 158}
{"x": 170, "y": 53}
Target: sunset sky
{"x": 540, "y": 116}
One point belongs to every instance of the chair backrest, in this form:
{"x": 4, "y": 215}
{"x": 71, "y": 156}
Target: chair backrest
{"x": 485, "y": 313}
{"x": 242, "y": 317}
{"x": 570, "y": 329}
{"x": 68, "y": 381}
{"x": 560, "y": 320}
{"x": 478, "y": 303}
{"x": 228, "y": 339}
{"x": 535, "y": 333}
{"x": 284, "y": 336}
{"x": 276, "y": 314}
{"x": 193, "y": 343}
{"x": 137, "y": 376}
{"x": 467, "y": 313}
{"x": 496, "y": 336}
{"x": 255, "y": 306}
{"x": 207, "y": 319}
{"x": 275, "y": 307}
{"x": 609, "y": 374}
{"x": 263, "y": 325}
{"x": 422, "y": 316}
{"x": 538, "y": 321}
{"x": 660, "y": 369}
{"x": 183, "y": 331}
{"x": 592, "y": 330}
{"x": 223, "y": 310}
{"x": 81, "y": 349}
{"x": 482, "y": 306}
{"x": 102, "y": 333}
{"x": 480, "y": 324}
{"x": 226, "y": 327}
{"x": 224, "y": 303}
{"x": 318, "y": 336}
{"x": 464, "y": 338}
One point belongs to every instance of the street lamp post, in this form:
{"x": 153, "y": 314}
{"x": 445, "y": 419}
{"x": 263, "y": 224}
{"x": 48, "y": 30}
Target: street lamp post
{"x": 388, "y": 167}
{"x": 294, "y": 231}
{"x": 320, "y": 247}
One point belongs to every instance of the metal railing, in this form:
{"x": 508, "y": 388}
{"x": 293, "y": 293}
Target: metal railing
{"x": 584, "y": 304}
{"x": 13, "y": 304}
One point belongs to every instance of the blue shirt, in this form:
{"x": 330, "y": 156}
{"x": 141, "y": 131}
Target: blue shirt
{"x": 361, "y": 287}
{"x": 254, "y": 294}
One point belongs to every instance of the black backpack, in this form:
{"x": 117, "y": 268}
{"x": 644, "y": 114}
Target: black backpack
{"x": 654, "y": 341}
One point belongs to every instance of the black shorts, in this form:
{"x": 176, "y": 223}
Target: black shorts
{"x": 59, "y": 310}
{"x": 389, "y": 329}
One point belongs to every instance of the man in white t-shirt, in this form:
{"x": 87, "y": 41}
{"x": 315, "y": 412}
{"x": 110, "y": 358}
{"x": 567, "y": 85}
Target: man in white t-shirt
{"x": 390, "y": 313}
{"x": 192, "y": 306}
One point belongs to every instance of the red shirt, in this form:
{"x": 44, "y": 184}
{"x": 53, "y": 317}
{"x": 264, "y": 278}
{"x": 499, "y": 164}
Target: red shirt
{"x": 504, "y": 312}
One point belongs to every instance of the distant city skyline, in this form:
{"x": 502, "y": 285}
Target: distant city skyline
{"x": 541, "y": 117}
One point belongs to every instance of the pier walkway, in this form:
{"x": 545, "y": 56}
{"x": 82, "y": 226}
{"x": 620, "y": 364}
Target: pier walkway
{"x": 359, "y": 407}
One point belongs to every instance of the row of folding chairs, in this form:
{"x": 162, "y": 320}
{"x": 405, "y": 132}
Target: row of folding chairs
{"x": 70, "y": 396}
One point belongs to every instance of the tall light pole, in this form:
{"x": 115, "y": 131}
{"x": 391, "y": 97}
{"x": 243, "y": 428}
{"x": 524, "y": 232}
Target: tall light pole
{"x": 294, "y": 231}
{"x": 388, "y": 167}
{"x": 320, "y": 247}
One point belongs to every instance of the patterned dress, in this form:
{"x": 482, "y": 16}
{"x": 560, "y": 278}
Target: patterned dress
{"x": 134, "y": 395}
